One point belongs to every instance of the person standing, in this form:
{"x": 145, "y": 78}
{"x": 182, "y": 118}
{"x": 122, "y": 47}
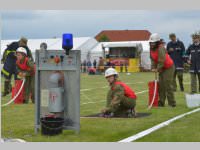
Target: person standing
{"x": 101, "y": 65}
{"x": 95, "y": 64}
{"x": 84, "y": 66}
{"x": 89, "y": 65}
{"x": 126, "y": 66}
{"x": 162, "y": 63}
{"x": 121, "y": 66}
{"x": 176, "y": 50}
{"x": 193, "y": 55}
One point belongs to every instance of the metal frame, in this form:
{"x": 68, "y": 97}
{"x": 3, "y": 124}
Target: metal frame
{"x": 72, "y": 85}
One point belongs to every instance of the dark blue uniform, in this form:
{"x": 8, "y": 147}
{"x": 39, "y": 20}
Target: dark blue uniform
{"x": 177, "y": 56}
{"x": 177, "y": 53}
{"x": 193, "y": 52}
{"x": 9, "y": 61}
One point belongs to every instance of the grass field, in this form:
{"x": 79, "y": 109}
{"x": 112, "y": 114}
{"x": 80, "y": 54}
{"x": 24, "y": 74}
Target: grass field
{"x": 18, "y": 120}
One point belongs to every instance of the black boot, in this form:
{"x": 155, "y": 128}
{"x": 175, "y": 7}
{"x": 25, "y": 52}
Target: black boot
{"x": 182, "y": 89}
{"x": 160, "y": 104}
{"x": 181, "y": 86}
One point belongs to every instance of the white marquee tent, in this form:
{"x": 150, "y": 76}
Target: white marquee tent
{"x": 79, "y": 43}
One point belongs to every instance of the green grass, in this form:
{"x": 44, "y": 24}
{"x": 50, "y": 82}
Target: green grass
{"x": 18, "y": 120}
{"x": 184, "y": 130}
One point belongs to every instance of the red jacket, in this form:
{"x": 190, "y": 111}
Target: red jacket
{"x": 23, "y": 66}
{"x": 128, "y": 92}
{"x": 168, "y": 61}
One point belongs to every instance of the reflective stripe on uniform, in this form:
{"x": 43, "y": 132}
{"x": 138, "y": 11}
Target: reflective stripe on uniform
{"x": 192, "y": 71}
{"x": 5, "y": 72}
{"x": 179, "y": 68}
{"x": 9, "y": 51}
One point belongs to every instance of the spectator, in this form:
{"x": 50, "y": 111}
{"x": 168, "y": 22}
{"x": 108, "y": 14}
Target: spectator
{"x": 95, "y": 64}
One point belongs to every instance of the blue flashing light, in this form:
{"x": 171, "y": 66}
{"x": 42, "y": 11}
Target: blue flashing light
{"x": 67, "y": 41}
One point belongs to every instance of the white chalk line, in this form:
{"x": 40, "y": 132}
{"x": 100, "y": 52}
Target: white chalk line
{"x": 105, "y": 100}
{"x": 82, "y": 90}
{"x": 154, "y": 128}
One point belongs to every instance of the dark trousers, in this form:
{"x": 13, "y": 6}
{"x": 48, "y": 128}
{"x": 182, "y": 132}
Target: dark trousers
{"x": 179, "y": 74}
{"x": 194, "y": 82}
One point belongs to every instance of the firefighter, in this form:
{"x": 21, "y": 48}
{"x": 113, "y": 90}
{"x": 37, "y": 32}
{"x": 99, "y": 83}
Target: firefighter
{"x": 26, "y": 68}
{"x": 9, "y": 61}
{"x": 121, "y": 99}
{"x": 193, "y": 55}
{"x": 162, "y": 63}
{"x": 176, "y": 50}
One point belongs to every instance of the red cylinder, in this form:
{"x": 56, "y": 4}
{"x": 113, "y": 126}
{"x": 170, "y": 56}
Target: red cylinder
{"x": 151, "y": 86}
{"x": 20, "y": 98}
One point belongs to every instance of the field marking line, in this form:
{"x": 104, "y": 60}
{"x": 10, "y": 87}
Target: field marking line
{"x": 154, "y": 128}
{"x": 92, "y": 102}
{"x": 105, "y": 100}
{"x": 82, "y": 90}
{"x": 85, "y": 96}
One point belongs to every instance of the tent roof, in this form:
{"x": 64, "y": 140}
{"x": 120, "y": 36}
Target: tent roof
{"x": 53, "y": 44}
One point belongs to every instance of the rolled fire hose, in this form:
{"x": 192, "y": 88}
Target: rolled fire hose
{"x": 155, "y": 89}
{"x": 12, "y": 100}
{"x": 12, "y": 140}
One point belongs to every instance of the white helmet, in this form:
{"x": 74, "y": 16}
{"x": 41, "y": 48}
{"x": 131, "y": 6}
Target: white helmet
{"x": 154, "y": 37}
{"x": 110, "y": 71}
{"x": 22, "y": 50}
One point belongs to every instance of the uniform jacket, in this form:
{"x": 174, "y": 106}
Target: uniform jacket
{"x": 160, "y": 59}
{"x": 9, "y": 59}
{"x": 177, "y": 54}
{"x": 26, "y": 66}
{"x": 193, "y": 53}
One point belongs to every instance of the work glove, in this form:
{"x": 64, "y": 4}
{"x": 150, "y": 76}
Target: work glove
{"x": 22, "y": 74}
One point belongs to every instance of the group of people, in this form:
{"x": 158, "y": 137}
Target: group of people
{"x": 100, "y": 66}
{"x": 87, "y": 65}
{"x": 168, "y": 61}
{"x": 18, "y": 61}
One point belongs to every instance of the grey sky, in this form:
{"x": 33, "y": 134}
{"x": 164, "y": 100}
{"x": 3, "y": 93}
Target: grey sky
{"x": 48, "y": 24}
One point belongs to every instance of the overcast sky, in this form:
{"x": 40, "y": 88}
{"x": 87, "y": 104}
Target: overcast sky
{"x": 48, "y": 24}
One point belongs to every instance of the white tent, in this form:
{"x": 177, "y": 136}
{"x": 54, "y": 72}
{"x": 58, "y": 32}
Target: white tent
{"x": 79, "y": 43}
